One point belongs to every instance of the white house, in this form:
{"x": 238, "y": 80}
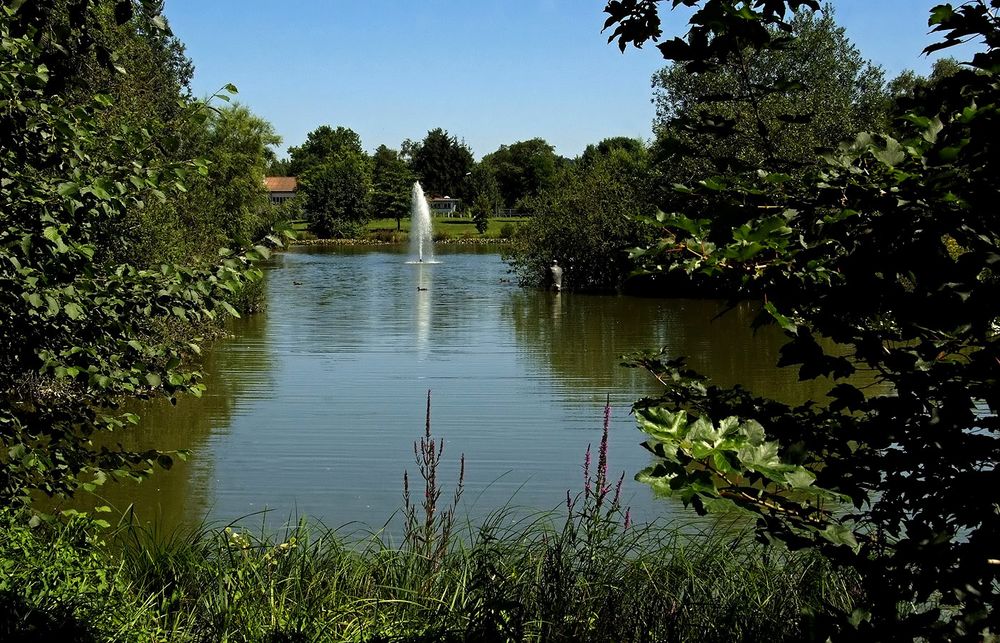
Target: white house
{"x": 444, "y": 206}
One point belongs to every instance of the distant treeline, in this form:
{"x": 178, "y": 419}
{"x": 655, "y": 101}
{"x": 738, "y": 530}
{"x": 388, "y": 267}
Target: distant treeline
{"x": 585, "y": 210}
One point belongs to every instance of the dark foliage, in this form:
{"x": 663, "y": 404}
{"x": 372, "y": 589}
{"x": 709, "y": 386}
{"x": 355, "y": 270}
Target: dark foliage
{"x": 882, "y": 263}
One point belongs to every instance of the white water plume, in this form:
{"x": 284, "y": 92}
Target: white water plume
{"x": 421, "y": 243}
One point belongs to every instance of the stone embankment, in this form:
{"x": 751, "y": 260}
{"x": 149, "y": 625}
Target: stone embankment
{"x": 460, "y": 241}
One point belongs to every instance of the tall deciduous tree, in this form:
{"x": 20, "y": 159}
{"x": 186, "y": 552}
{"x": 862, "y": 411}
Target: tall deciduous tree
{"x": 335, "y": 178}
{"x": 522, "y": 169}
{"x": 322, "y": 144}
{"x": 82, "y": 327}
{"x": 441, "y": 163}
{"x": 587, "y": 222}
{"x": 904, "y": 88}
{"x": 338, "y": 194}
{"x": 820, "y": 91}
{"x": 392, "y": 182}
{"x": 484, "y": 194}
{"x": 237, "y": 144}
{"x": 632, "y": 146}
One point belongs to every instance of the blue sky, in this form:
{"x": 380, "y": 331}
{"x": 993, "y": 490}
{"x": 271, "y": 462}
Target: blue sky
{"x": 488, "y": 71}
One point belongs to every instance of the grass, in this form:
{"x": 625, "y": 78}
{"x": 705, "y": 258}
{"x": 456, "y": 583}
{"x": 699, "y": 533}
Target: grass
{"x": 527, "y": 581}
{"x": 455, "y": 226}
{"x": 584, "y": 575}
{"x": 443, "y": 229}
{"x": 452, "y": 226}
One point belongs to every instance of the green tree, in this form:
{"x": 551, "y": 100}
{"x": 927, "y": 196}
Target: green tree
{"x": 632, "y": 146}
{"x": 335, "y": 179}
{"x": 522, "y": 169}
{"x": 236, "y": 145}
{"x": 278, "y": 166}
{"x": 441, "y": 162}
{"x": 392, "y": 183}
{"x": 321, "y": 145}
{"x": 484, "y": 192}
{"x": 82, "y": 329}
{"x": 337, "y": 195}
{"x": 821, "y": 90}
{"x": 908, "y": 84}
{"x": 585, "y": 221}
{"x": 883, "y": 261}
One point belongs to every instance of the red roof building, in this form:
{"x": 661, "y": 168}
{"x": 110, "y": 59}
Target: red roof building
{"x": 281, "y": 188}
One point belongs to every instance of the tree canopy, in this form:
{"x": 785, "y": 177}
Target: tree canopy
{"x": 586, "y": 220}
{"x": 335, "y": 180}
{"x": 87, "y": 312}
{"x": 820, "y": 90}
{"x": 522, "y": 169}
{"x": 392, "y": 182}
{"x": 881, "y": 261}
{"x": 321, "y": 145}
{"x": 441, "y": 162}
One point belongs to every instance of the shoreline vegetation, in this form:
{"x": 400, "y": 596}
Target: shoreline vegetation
{"x": 584, "y": 578}
{"x": 588, "y": 574}
{"x": 371, "y": 241}
{"x": 446, "y": 231}
{"x": 135, "y": 223}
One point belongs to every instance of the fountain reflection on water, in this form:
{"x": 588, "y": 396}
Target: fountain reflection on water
{"x": 421, "y": 242}
{"x": 423, "y": 310}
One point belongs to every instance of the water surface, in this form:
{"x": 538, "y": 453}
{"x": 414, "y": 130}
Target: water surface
{"x": 312, "y": 407}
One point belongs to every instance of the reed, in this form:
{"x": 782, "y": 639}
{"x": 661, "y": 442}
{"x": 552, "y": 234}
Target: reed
{"x": 582, "y": 574}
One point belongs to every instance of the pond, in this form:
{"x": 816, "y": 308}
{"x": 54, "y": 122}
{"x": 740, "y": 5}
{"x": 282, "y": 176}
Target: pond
{"x": 313, "y": 406}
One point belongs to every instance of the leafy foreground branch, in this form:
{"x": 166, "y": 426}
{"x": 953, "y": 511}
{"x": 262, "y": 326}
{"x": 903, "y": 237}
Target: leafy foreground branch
{"x": 89, "y": 317}
{"x": 882, "y": 263}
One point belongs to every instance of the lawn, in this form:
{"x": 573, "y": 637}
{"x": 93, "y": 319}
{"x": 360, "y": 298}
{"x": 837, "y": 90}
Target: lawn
{"x": 452, "y": 226}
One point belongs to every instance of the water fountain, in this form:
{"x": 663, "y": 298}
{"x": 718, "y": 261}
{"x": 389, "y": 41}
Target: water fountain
{"x": 421, "y": 243}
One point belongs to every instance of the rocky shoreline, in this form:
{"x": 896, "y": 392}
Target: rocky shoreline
{"x": 472, "y": 241}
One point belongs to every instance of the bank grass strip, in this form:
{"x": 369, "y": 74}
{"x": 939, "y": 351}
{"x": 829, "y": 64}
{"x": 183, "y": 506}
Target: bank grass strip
{"x": 543, "y": 577}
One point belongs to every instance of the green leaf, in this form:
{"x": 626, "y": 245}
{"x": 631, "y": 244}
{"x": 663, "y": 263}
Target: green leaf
{"x": 73, "y": 311}
{"x": 229, "y": 308}
{"x": 839, "y": 534}
{"x": 153, "y": 379}
{"x": 760, "y": 457}
{"x": 68, "y": 189}
{"x": 101, "y": 188}
{"x": 800, "y": 479}
{"x": 662, "y": 424}
{"x": 753, "y": 432}
{"x": 940, "y": 14}
{"x": 783, "y": 321}
{"x": 893, "y": 153}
